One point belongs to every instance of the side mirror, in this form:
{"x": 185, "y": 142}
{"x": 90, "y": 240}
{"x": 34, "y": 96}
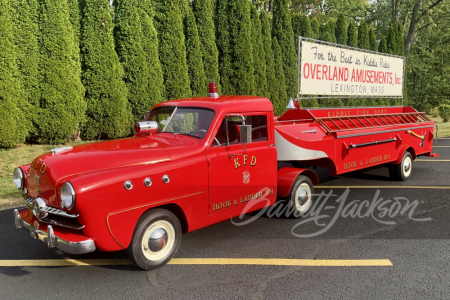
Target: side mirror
{"x": 246, "y": 133}
{"x": 146, "y": 127}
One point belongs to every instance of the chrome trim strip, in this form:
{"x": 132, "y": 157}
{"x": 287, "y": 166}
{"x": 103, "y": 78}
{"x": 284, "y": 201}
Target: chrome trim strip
{"x": 58, "y": 150}
{"x": 385, "y": 131}
{"x": 51, "y": 210}
{"x": 53, "y": 241}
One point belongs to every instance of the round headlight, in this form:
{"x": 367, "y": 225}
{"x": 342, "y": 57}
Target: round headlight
{"x": 18, "y": 178}
{"x": 67, "y": 196}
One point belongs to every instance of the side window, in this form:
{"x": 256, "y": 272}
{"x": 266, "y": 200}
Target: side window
{"x": 259, "y": 130}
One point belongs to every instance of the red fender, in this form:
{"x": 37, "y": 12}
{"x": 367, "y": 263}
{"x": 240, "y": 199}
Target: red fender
{"x": 401, "y": 152}
{"x": 287, "y": 176}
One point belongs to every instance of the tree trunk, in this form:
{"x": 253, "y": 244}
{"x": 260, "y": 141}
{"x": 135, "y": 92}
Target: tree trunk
{"x": 412, "y": 26}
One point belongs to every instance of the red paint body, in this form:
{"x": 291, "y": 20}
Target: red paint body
{"x": 204, "y": 177}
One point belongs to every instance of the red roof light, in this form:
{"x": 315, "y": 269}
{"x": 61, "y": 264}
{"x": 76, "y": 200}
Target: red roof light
{"x": 212, "y": 90}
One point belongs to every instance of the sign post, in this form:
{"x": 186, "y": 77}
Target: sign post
{"x": 328, "y": 70}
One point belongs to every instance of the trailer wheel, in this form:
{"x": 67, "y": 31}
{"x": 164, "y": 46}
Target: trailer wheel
{"x": 155, "y": 240}
{"x": 403, "y": 170}
{"x": 300, "y": 198}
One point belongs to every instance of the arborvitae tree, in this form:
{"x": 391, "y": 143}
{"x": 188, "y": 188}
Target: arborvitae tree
{"x": 400, "y": 40}
{"x": 325, "y": 32}
{"x": 75, "y": 18}
{"x": 172, "y": 49}
{"x": 242, "y": 58}
{"x": 363, "y": 36}
{"x": 352, "y": 35}
{"x": 223, "y": 42}
{"x": 204, "y": 15}
{"x": 259, "y": 60}
{"x": 332, "y": 24}
{"x": 26, "y": 38}
{"x": 392, "y": 40}
{"x": 266, "y": 37}
{"x": 373, "y": 40}
{"x": 155, "y": 89}
{"x": 129, "y": 38}
{"x": 383, "y": 45}
{"x": 193, "y": 51}
{"x": 282, "y": 30}
{"x": 279, "y": 83}
{"x": 341, "y": 30}
{"x": 315, "y": 27}
{"x": 106, "y": 93}
{"x": 297, "y": 28}
{"x": 13, "y": 124}
{"x": 62, "y": 93}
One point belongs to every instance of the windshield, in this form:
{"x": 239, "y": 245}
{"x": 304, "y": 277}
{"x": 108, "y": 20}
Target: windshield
{"x": 182, "y": 120}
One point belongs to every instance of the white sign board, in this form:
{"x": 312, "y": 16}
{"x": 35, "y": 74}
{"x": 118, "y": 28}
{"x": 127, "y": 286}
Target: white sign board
{"x": 334, "y": 71}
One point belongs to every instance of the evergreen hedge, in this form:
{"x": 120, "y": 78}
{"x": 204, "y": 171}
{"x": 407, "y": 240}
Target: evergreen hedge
{"x": 204, "y": 15}
{"x": 266, "y": 38}
{"x": 223, "y": 42}
{"x": 259, "y": 60}
{"x": 241, "y": 47}
{"x": 106, "y": 93}
{"x": 62, "y": 104}
{"x": 352, "y": 35}
{"x": 341, "y": 30}
{"x": 280, "y": 84}
{"x": 27, "y": 51}
{"x": 282, "y": 30}
{"x": 13, "y": 125}
{"x": 172, "y": 50}
{"x": 193, "y": 52}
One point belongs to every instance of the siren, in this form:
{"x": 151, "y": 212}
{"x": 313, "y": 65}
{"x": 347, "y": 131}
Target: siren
{"x": 290, "y": 104}
{"x": 212, "y": 90}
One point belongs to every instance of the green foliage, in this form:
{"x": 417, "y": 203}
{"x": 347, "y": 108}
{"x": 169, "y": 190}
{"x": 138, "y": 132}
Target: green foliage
{"x": 280, "y": 86}
{"x": 400, "y": 40}
{"x": 241, "y": 48}
{"x": 149, "y": 42}
{"x": 444, "y": 112}
{"x": 282, "y": 30}
{"x": 297, "y": 28}
{"x": 341, "y": 30}
{"x": 172, "y": 49}
{"x": 332, "y": 25}
{"x": 325, "y": 32}
{"x": 13, "y": 125}
{"x": 392, "y": 41}
{"x": 383, "y": 45}
{"x": 106, "y": 93}
{"x": 193, "y": 51}
{"x": 204, "y": 15}
{"x": 373, "y": 40}
{"x": 352, "y": 35}
{"x": 266, "y": 39}
{"x": 259, "y": 56}
{"x": 363, "y": 36}
{"x": 62, "y": 106}
{"x": 223, "y": 42}
{"x": 314, "y": 32}
{"x": 26, "y": 38}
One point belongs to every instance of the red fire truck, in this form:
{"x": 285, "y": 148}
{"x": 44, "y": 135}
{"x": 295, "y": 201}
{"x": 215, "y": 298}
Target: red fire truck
{"x": 195, "y": 162}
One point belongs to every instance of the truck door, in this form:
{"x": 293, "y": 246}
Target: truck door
{"x": 237, "y": 179}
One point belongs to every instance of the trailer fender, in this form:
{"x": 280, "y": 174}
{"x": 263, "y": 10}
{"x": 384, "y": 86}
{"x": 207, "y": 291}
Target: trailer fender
{"x": 286, "y": 177}
{"x": 402, "y": 151}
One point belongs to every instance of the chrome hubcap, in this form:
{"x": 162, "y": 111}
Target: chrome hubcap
{"x": 302, "y": 196}
{"x": 407, "y": 165}
{"x": 157, "y": 240}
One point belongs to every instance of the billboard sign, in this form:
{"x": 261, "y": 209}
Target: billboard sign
{"x": 328, "y": 70}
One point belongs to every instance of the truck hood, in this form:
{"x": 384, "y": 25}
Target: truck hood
{"x": 55, "y": 168}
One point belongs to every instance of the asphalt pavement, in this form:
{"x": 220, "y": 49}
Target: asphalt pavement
{"x": 405, "y": 223}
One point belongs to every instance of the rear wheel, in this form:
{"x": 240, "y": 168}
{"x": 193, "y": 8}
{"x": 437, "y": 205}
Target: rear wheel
{"x": 300, "y": 199}
{"x": 403, "y": 170}
{"x": 155, "y": 240}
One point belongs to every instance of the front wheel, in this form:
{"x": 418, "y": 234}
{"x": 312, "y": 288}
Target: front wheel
{"x": 300, "y": 198}
{"x": 155, "y": 240}
{"x": 403, "y": 170}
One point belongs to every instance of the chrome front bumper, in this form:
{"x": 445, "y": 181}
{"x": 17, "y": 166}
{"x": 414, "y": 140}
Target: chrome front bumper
{"x": 52, "y": 240}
